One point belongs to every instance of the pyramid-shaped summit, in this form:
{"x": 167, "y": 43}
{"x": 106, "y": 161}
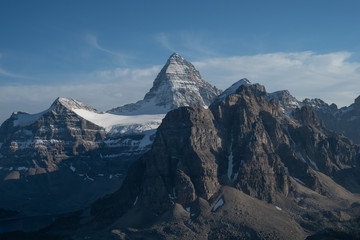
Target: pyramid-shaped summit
{"x": 178, "y": 84}
{"x": 71, "y": 103}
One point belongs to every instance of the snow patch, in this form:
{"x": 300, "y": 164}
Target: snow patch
{"x": 135, "y": 200}
{"x": 110, "y": 121}
{"x": 313, "y": 163}
{"x": 22, "y": 168}
{"x": 72, "y": 168}
{"x": 299, "y": 181}
{"x": 278, "y": 208}
{"x": 88, "y": 178}
{"x": 232, "y": 89}
{"x": 299, "y": 155}
{"x": 218, "y": 204}
{"x": 187, "y": 209}
{"x": 25, "y": 119}
{"x": 146, "y": 139}
{"x": 175, "y": 68}
{"x": 173, "y": 195}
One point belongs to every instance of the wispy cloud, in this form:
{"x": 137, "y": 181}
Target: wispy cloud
{"x": 125, "y": 75}
{"x": 197, "y": 43}
{"x": 331, "y": 76}
{"x": 187, "y": 43}
{"x": 6, "y": 73}
{"x": 93, "y": 42}
{"x": 13, "y": 75}
{"x": 101, "y": 89}
{"x": 163, "y": 39}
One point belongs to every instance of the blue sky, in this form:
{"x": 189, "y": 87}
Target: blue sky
{"x": 107, "y": 53}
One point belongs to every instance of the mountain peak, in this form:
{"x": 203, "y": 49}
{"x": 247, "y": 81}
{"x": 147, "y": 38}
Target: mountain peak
{"x": 176, "y": 64}
{"x": 177, "y": 84}
{"x": 232, "y": 89}
{"x": 71, "y": 103}
{"x": 176, "y": 56}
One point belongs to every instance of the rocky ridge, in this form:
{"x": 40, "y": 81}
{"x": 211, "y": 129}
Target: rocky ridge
{"x": 215, "y": 173}
{"x": 203, "y": 161}
{"x": 72, "y": 142}
{"x": 344, "y": 120}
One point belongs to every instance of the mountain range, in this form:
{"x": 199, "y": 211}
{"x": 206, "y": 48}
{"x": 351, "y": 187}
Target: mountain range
{"x": 76, "y": 154}
{"x": 187, "y": 162}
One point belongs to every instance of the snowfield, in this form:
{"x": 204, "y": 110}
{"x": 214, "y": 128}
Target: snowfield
{"x": 110, "y": 121}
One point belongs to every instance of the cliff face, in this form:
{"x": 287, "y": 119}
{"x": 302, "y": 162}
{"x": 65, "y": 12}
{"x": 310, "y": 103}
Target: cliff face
{"x": 244, "y": 141}
{"x": 38, "y": 144}
{"x": 73, "y": 143}
{"x": 46, "y": 158}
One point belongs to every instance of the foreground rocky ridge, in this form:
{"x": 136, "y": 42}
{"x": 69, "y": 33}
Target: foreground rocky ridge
{"x": 211, "y": 172}
{"x": 254, "y": 165}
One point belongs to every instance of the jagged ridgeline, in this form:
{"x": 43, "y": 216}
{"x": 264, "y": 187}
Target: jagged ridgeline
{"x": 244, "y": 168}
{"x": 241, "y": 164}
{"x": 67, "y": 156}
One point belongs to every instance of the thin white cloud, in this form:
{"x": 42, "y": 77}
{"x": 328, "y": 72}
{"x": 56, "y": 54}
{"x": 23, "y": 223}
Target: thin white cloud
{"x": 101, "y": 89}
{"x": 125, "y": 75}
{"x": 331, "y": 77}
{"x": 12, "y": 75}
{"x": 186, "y": 42}
{"x": 93, "y": 42}
{"x": 6, "y": 73}
{"x": 163, "y": 39}
{"x": 195, "y": 42}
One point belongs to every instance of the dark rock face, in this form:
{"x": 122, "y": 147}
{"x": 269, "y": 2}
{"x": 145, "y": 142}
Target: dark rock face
{"x": 182, "y": 164}
{"x": 252, "y": 133}
{"x": 40, "y": 151}
{"x": 244, "y": 141}
{"x": 345, "y": 120}
{"x": 56, "y": 135}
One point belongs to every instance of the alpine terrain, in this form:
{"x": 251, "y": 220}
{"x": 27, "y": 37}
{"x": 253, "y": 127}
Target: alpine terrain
{"x": 345, "y": 120}
{"x": 241, "y": 164}
{"x": 245, "y": 168}
{"x": 67, "y": 156}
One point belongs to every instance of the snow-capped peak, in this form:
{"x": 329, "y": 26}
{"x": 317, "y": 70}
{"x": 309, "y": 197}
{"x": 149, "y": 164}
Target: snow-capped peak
{"x": 286, "y": 100}
{"x": 71, "y": 103}
{"x": 178, "y": 84}
{"x": 232, "y": 89}
{"x": 25, "y": 119}
{"x": 177, "y": 65}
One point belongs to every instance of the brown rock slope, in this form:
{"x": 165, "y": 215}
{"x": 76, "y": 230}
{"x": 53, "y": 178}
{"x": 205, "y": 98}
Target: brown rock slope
{"x": 239, "y": 170}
